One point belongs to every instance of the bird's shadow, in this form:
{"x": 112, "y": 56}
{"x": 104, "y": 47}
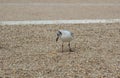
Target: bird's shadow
{"x": 66, "y": 50}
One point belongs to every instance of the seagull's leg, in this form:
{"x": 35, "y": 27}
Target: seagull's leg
{"x": 62, "y": 46}
{"x": 70, "y": 47}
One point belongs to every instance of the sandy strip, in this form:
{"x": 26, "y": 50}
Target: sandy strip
{"x": 60, "y": 4}
{"x": 60, "y": 1}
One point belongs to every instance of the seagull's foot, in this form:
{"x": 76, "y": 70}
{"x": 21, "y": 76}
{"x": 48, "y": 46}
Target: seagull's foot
{"x": 70, "y": 50}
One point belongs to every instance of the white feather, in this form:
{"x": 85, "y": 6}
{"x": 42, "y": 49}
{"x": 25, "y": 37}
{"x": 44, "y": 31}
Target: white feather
{"x": 66, "y": 36}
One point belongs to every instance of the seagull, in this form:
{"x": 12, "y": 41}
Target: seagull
{"x": 65, "y": 36}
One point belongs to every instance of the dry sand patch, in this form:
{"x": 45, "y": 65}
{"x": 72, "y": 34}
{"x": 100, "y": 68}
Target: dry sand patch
{"x": 31, "y": 52}
{"x": 60, "y": 1}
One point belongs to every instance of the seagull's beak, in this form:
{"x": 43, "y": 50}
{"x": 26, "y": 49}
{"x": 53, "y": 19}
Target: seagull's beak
{"x": 57, "y": 38}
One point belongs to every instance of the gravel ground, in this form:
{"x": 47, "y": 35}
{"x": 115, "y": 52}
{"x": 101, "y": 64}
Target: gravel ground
{"x": 31, "y": 52}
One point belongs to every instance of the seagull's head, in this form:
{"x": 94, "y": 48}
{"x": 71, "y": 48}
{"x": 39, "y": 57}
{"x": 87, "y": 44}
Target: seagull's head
{"x": 58, "y": 35}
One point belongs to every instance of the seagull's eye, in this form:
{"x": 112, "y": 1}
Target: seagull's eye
{"x": 59, "y": 33}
